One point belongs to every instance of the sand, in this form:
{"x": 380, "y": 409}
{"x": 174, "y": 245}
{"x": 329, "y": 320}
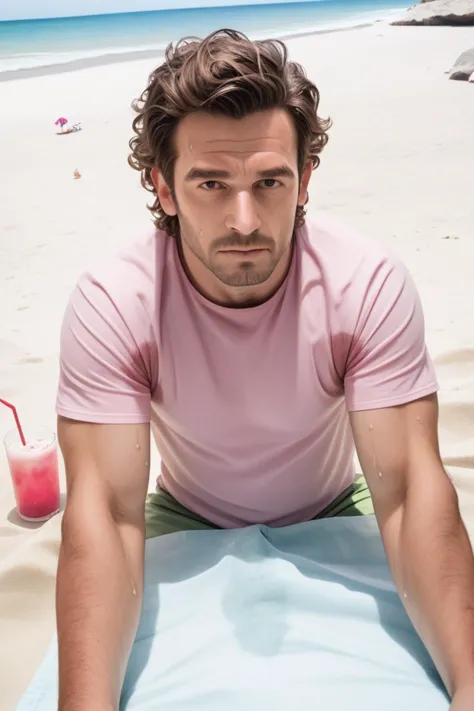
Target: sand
{"x": 399, "y": 165}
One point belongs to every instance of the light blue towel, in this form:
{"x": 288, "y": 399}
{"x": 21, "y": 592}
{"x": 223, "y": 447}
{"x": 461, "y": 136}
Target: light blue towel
{"x": 263, "y": 619}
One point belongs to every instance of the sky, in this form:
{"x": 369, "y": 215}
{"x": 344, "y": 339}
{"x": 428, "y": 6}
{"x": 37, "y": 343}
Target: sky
{"x": 35, "y": 9}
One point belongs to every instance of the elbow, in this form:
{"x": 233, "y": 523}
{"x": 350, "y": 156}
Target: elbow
{"x": 425, "y": 497}
{"x": 86, "y": 520}
{"x": 91, "y": 519}
{"x": 433, "y": 504}
{"x": 434, "y": 487}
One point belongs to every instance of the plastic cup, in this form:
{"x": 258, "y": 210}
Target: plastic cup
{"x": 34, "y": 472}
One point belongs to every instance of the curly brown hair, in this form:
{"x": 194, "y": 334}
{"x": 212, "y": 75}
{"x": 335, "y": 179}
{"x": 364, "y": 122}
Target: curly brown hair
{"x": 227, "y": 74}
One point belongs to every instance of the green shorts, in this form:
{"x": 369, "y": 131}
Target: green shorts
{"x": 163, "y": 514}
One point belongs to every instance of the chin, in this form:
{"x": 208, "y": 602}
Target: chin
{"x": 245, "y": 278}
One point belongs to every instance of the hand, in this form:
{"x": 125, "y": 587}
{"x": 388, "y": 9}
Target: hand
{"x": 463, "y": 700}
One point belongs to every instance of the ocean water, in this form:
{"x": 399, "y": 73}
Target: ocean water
{"x": 28, "y": 44}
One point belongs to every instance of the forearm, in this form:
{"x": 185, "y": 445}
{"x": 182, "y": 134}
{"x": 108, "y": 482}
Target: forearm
{"x": 99, "y": 593}
{"x": 432, "y": 563}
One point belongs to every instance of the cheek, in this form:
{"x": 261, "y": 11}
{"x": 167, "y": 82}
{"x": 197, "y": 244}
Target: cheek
{"x": 197, "y": 208}
{"x": 204, "y": 214}
{"x": 197, "y": 231}
{"x": 282, "y": 207}
{"x": 285, "y": 199}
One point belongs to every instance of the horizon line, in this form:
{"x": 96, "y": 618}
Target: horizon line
{"x": 219, "y": 3}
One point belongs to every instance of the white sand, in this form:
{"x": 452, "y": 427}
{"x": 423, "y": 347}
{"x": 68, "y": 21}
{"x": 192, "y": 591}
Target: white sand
{"x": 399, "y": 165}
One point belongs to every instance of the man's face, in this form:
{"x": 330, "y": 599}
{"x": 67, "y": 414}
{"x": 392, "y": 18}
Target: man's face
{"x": 236, "y": 190}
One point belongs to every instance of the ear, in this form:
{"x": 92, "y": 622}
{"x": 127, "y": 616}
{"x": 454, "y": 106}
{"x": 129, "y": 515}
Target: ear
{"x": 163, "y": 192}
{"x": 305, "y": 178}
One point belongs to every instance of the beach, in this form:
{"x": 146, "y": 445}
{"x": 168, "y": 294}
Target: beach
{"x": 399, "y": 166}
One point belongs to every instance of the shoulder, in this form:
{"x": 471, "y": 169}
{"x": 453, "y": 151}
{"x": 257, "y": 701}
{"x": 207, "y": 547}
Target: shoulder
{"x": 362, "y": 282}
{"x": 108, "y": 337}
{"x": 125, "y": 273}
{"x": 123, "y": 284}
{"x": 353, "y": 269}
{"x": 344, "y": 253}
{"x": 108, "y": 349}
{"x": 374, "y": 314}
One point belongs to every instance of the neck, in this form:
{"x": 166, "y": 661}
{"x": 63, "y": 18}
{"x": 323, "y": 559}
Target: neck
{"x": 209, "y": 286}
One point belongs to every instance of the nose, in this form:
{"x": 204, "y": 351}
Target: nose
{"x": 243, "y": 217}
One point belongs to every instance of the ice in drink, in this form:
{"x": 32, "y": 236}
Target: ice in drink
{"x": 34, "y": 472}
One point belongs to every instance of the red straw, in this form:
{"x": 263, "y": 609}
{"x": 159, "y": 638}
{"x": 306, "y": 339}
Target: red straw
{"x": 15, "y": 415}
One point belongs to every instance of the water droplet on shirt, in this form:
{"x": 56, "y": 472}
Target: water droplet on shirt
{"x": 371, "y": 427}
{"x": 380, "y": 475}
{"x": 137, "y": 446}
{"x": 405, "y": 595}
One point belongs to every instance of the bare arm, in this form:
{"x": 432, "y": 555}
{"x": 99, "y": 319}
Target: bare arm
{"x": 425, "y": 539}
{"x": 100, "y": 574}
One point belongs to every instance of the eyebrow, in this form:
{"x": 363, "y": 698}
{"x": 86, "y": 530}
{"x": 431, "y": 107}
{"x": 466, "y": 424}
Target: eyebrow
{"x": 280, "y": 171}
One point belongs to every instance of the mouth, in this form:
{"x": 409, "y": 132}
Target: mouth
{"x": 245, "y": 252}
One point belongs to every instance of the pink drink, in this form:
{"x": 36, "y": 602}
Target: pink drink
{"x": 34, "y": 472}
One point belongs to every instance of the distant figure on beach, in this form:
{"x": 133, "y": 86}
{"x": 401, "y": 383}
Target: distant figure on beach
{"x": 261, "y": 348}
{"x": 62, "y": 122}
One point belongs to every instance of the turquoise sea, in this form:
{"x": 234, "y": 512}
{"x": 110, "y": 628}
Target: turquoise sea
{"x": 29, "y": 44}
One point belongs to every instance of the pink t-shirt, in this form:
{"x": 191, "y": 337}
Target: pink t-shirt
{"x": 249, "y": 407}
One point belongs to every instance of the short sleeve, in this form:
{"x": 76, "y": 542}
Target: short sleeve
{"x": 103, "y": 376}
{"x": 388, "y": 363}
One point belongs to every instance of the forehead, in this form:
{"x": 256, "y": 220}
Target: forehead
{"x": 202, "y": 135}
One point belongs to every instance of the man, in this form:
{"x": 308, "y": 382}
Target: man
{"x": 260, "y": 347}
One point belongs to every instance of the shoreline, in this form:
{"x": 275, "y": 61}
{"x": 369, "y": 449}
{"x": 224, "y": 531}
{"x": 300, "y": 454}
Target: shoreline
{"x": 158, "y": 53}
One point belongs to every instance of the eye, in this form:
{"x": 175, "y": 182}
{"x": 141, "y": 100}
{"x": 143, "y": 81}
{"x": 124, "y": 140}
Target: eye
{"x": 270, "y": 183}
{"x": 210, "y": 185}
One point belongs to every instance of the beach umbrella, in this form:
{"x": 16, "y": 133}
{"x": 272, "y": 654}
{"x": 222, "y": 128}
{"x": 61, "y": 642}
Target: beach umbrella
{"x": 61, "y": 122}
